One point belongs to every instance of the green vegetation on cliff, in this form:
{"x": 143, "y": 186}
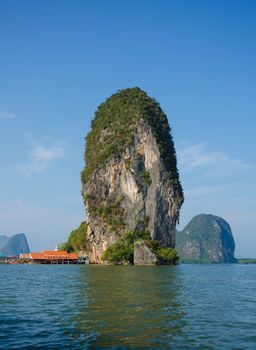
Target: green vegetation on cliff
{"x": 113, "y": 126}
{"x": 111, "y": 214}
{"x": 145, "y": 176}
{"x": 165, "y": 255}
{"x": 77, "y": 240}
{"x": 123, "y": 250}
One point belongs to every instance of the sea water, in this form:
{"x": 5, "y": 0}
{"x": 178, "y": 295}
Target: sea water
{"x": 127, "y": 307}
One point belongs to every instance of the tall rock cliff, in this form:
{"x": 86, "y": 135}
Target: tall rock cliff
{"x": 130, "y": 181}
{"x": 207, "y": 238}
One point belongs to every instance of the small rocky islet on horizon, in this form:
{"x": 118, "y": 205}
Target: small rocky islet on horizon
{"x": 133, "y": 195}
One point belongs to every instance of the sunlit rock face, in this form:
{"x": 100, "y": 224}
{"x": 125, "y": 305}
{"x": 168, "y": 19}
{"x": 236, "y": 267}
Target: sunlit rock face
{"x": 130, "y": 181}
{"x": 143, "y": 255}
{"x": 207, "y": 238}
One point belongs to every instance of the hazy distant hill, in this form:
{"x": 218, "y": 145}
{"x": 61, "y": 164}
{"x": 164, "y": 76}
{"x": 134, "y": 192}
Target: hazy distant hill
{"x": 14, "y": 245}
{"x": 207, "y": 238}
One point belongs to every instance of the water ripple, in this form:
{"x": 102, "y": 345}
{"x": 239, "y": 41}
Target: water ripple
{"x": 114, "y": 307}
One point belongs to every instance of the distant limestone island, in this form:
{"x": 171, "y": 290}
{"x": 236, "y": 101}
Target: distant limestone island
{"x": 14, "y": 245}
{"x": 206, "y": 239}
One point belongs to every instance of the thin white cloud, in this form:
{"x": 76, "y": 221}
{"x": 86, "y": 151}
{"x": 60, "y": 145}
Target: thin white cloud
{"x": 40, "y": 157}
{"x": 6, "y": 115}
{"x": 198, "y": 157}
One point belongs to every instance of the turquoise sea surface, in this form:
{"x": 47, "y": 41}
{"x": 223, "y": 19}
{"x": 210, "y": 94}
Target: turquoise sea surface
{"x": 127, "y": 307}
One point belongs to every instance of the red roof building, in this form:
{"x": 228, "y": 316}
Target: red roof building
{"x": 50, "y": 257}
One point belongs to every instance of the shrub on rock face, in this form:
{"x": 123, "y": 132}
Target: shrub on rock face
{"x": 165, "y": 255}
{"x": 118, "y": 253}
{"x": 77, "y": 240}
{"x": 145, "y": 175}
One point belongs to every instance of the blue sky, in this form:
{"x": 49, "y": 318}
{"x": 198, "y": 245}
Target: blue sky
{"x": 60, "y": 59}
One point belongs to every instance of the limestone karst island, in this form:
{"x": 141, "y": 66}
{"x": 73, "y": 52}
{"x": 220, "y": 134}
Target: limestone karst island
{"x": 130, "y": 184}
{"x": 132, "y": 195}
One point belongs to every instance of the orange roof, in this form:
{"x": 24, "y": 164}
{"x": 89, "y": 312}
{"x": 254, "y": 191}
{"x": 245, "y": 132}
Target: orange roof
{"x": 72, "y": 256}
{"x": 37, "y": 255}
{"x": 55, "y": 252}
{"x": 53, "y": 255}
